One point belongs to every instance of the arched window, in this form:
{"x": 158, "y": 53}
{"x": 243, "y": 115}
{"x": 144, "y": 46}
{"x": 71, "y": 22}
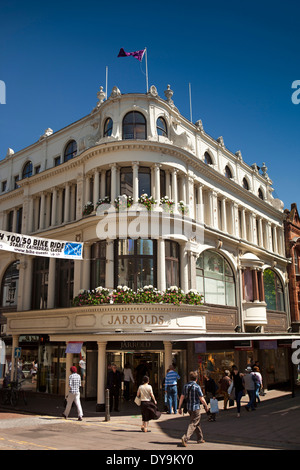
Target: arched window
{"x": 134, "y": 126}
{"x": 161, "y": 127}
{"x": 245, "y": 184}
{"x": 274, "y": 295}
{"x": 108, "y": 126}
{"x": 27, "y": 170}
{"x": 207, "y": 159}
{"x": 228, "y": 172}
{"x": 70, "y": 151}
{"x": 215, "y": 279}
{"x": 9, "y": 286}
{"x": 260, "y": 194}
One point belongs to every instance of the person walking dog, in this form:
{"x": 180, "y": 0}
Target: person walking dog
{"x": 74, "y": 394}
{"x": 193, "y": 395}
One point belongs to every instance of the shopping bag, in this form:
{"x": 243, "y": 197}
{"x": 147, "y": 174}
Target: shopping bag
{"x": 214, "y": 406}
{"x": 137, "y": 401}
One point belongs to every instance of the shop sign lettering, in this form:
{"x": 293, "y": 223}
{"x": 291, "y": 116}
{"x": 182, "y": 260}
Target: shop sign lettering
{"x": 135, "y": 320}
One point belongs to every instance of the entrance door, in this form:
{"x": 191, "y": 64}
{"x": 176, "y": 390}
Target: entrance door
{"x": 141, "y": 363}
{"x": 146, "y": 363}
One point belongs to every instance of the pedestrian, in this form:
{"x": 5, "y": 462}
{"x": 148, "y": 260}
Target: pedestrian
{"x": 148, "y": 403}
{"x": 249, "y": 385}
{"x": 114, "y": 385}
{"x": 210, "y": 387}
{"x": 224, "y": 385}
{"x": 127, "y": 378}
{"x": 238, "y": 388}
{"x": 74, "y": 394}
{"x": 171, "y": 389}
{"x": 258, "y": 383}
{"x": 193, "y": 395}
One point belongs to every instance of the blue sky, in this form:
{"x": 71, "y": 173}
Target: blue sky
{"x": 240, "y": 57}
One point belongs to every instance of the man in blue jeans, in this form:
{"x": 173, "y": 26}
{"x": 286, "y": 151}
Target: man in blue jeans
{"x": 171, "y": 389}
{"x": 193, "y": 394}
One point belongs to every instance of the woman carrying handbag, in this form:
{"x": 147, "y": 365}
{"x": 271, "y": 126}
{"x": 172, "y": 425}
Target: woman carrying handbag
{"x": 148, "y": 403}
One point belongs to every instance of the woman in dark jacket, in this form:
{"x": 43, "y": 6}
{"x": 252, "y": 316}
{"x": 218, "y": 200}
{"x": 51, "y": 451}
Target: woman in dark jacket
{"x": 238, "y": 385}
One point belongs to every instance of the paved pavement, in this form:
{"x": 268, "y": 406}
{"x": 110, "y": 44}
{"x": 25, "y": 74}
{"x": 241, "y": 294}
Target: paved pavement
{"x": 274, "y": 425}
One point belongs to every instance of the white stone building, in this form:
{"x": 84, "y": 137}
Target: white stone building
{"x": 231, "y": 250}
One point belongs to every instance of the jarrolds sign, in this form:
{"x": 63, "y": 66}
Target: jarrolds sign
{"x": 147, "y": 319}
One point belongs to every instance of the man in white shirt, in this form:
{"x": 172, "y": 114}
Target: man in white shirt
{"x": 74, "y": 394}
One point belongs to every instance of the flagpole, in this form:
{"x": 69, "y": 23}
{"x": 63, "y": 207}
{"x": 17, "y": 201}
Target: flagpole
{"x": 190, "y": 93}
{"x": 106, "y": 80}
{"x": 146, "y": 60}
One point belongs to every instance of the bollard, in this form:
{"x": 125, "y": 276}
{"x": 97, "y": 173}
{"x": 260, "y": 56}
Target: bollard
{"x": 107, "y": 407}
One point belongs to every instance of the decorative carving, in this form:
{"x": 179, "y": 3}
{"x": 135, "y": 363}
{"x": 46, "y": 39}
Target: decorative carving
{"x": 153, "y": 91}
{"x": 168, "y": 94}
{"x": 115, "y": 93}
{"x": 220, "y": 140}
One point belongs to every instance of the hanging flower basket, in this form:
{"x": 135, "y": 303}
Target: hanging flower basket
{"x": 147, "y": 201}
{"x": 123, "y": 202}
{"x": 168, "y": 205}
{"x": 88, "y": 208}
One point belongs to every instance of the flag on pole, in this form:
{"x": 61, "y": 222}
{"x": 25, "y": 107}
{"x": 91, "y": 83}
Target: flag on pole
{"x": 137, "y": 54}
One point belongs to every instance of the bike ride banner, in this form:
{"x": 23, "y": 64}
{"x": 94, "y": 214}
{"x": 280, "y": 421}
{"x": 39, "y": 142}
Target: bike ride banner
{"x": 36, "y": 246}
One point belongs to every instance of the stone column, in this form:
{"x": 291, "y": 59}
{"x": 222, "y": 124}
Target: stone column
{"x": 157, "y": 183}
{"x": 224, "y": 215}
{"x": 184, "y": 275}
{"x": 113, "y": 193}
{"x": 168, "y": 355}
{"x": 135, "y": 181}
{"x": 161, "y": 265}
{"x": 42, "y": 212}
{"x": 69, "y": 364}
{"x": 109, "y": 270}
{"x": 101, "y": 376}
{"x": 243, "y": 214}
{"x": 51, "y": 283}
{"x": 200, "y": 206}
{"x": 174, "y": 187}
{"x": 54, "y": 207}
{"x": 67, "y": 203}
{"x": 14, "y": 362}
{"x": 96, "y": 188}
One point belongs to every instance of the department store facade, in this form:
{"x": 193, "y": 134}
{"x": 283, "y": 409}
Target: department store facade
{"x": 223, "y": 237}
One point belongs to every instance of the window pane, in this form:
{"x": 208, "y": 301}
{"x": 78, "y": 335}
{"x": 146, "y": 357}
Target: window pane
{"x": 126, "y": 272}
{"x": 270, "y": 293}
{"x": 126, "y": 181}
{"x": 214, "y": 292}
{"x": 145, "y": 272}
{"x": 248, "y": 282}
{"x": 144, "y": 247}
{"x": 144, "y": 181}
{"x": 213, "y": 265}
{"x": 230, "y": 294}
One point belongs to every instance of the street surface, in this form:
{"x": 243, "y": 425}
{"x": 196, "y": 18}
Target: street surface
{"x": 275, "y": 425}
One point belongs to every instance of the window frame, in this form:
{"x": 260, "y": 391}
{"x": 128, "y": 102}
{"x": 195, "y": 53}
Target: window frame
{"x": 227, "y": 279}
{"x": 135, "y": 257}
{"x": 134, "y": 124}
{"x": 107, "y": 130}
{"x": 162, "y": 130}
{"x": 27, "y": 171}
{"x": 69, "y": 155}
{"x": 174, "y": 264}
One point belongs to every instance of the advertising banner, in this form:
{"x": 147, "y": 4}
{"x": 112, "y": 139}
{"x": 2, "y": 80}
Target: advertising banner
{"x": 36, "y": 246}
